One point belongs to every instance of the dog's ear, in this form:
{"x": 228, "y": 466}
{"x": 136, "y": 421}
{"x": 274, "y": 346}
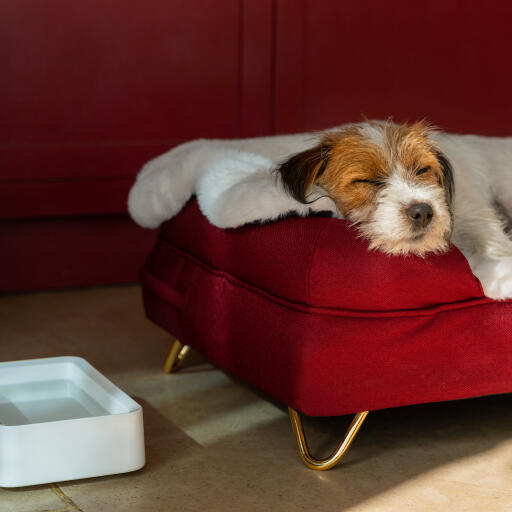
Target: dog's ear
{"x": 447, "y": 170}
{"x": 301, "y": 171}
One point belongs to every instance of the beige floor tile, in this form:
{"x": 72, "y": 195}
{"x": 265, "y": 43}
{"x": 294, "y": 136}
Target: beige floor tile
{"x": 31, "y": 499}
{"x": 106, "y": 326}
{"x": 214, "y": 443}
{"x": 433, "y": 494}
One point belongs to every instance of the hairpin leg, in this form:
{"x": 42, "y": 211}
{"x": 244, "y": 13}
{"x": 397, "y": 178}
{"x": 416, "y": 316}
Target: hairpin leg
{"x": 176, "y": 355}
{"x": 336, "y": 456}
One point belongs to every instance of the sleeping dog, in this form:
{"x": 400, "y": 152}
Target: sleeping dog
{"x": 409, "y": 189}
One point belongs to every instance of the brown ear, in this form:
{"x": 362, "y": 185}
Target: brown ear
{"x": 300, "y": 171}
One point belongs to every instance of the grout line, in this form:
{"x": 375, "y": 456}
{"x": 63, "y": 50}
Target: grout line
{"x": 65, "y": 498}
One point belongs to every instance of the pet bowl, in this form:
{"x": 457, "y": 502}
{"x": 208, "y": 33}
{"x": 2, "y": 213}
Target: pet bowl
{"x": 60, "y": 419}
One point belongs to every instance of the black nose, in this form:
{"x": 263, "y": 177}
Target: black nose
{"x": 420, "y": 214}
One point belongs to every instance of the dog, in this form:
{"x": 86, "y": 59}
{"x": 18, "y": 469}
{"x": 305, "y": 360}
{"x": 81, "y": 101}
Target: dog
{"x": 408, "y": 188}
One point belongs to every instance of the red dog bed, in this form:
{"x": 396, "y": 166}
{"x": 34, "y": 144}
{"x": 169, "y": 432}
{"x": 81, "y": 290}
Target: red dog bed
{"x": 302, "y": 310}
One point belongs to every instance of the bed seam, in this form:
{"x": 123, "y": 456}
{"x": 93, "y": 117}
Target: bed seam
{"x": 311, "y": 309}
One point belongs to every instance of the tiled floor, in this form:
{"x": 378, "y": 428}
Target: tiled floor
{"x": 215, "y": 444}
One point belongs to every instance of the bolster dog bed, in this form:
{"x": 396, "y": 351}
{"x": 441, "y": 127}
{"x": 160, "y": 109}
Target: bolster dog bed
{"x": 300, "y": 309}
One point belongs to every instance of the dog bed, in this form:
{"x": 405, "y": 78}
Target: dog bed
{"x": 300, "y": 309}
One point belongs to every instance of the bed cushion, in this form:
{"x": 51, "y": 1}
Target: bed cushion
{"x": 302, "y": 310}
{"x": 322, "y": 262}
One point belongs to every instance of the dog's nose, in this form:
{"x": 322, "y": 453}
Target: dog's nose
{"x": 420, "y": 214}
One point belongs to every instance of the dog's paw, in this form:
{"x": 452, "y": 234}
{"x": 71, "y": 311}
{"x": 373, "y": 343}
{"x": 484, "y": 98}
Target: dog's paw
{"x": 164, "y": 185}
{"x": 495, "y": 274}
{"x": 153, "y": 200}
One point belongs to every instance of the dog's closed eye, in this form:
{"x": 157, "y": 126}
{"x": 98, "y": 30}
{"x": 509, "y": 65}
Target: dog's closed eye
{"x": 423, "y": 170}
{"x": 375, "y": 182}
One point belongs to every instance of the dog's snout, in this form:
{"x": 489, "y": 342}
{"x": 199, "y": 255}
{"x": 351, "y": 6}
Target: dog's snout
{"x": 420, "y": 214}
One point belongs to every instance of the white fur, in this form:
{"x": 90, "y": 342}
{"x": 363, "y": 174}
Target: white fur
{"x": 235, "y": 185}
{"x": 372, "y": 134}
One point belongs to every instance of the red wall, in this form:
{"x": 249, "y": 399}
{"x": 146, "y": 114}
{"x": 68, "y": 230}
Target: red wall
{"x": 89, "y": 91}
{"x": 447, "y": 60}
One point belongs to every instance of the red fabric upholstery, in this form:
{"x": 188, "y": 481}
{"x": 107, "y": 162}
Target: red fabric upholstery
{"x": 300, "y": 309}
{"x": 320, "y": 262}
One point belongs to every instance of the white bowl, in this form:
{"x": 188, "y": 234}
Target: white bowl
{"x": 60, "y": 419}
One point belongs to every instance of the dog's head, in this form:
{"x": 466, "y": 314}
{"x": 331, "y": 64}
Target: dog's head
{"x": 389, "y": 179}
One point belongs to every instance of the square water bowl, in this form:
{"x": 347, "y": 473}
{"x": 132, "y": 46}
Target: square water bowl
{"x": 61, "y": 419}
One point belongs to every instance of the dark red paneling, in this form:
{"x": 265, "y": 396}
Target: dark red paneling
{"x": 82, "y": 251}
{"x": 43, "y": 198}
{"x": 256, "y": 67}
{"x": 82, "y": 191}
{"x": 76, "y": 161}
{"x": 444, "y": 59}
{"x": 95, "y": 89}
{"x": 119, "y": 70}
{"x": 289, "y": 62}
{"x": 91, "y": 91}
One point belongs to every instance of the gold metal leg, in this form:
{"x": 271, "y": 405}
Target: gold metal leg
{"x": 176, "y": 355}
{"x": 336, "y": 456}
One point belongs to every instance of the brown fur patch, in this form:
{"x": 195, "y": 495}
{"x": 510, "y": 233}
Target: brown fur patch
{"x": 355, "y": 168}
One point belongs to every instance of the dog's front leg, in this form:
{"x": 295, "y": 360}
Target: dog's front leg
{"x": 480, "y": 234}
{"x": 480, "y": 229}
{"x": 165, "y": 183}
{"x": 495, "y": 274}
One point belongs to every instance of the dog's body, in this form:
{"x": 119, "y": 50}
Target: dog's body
{"x": 408, "y": 188}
